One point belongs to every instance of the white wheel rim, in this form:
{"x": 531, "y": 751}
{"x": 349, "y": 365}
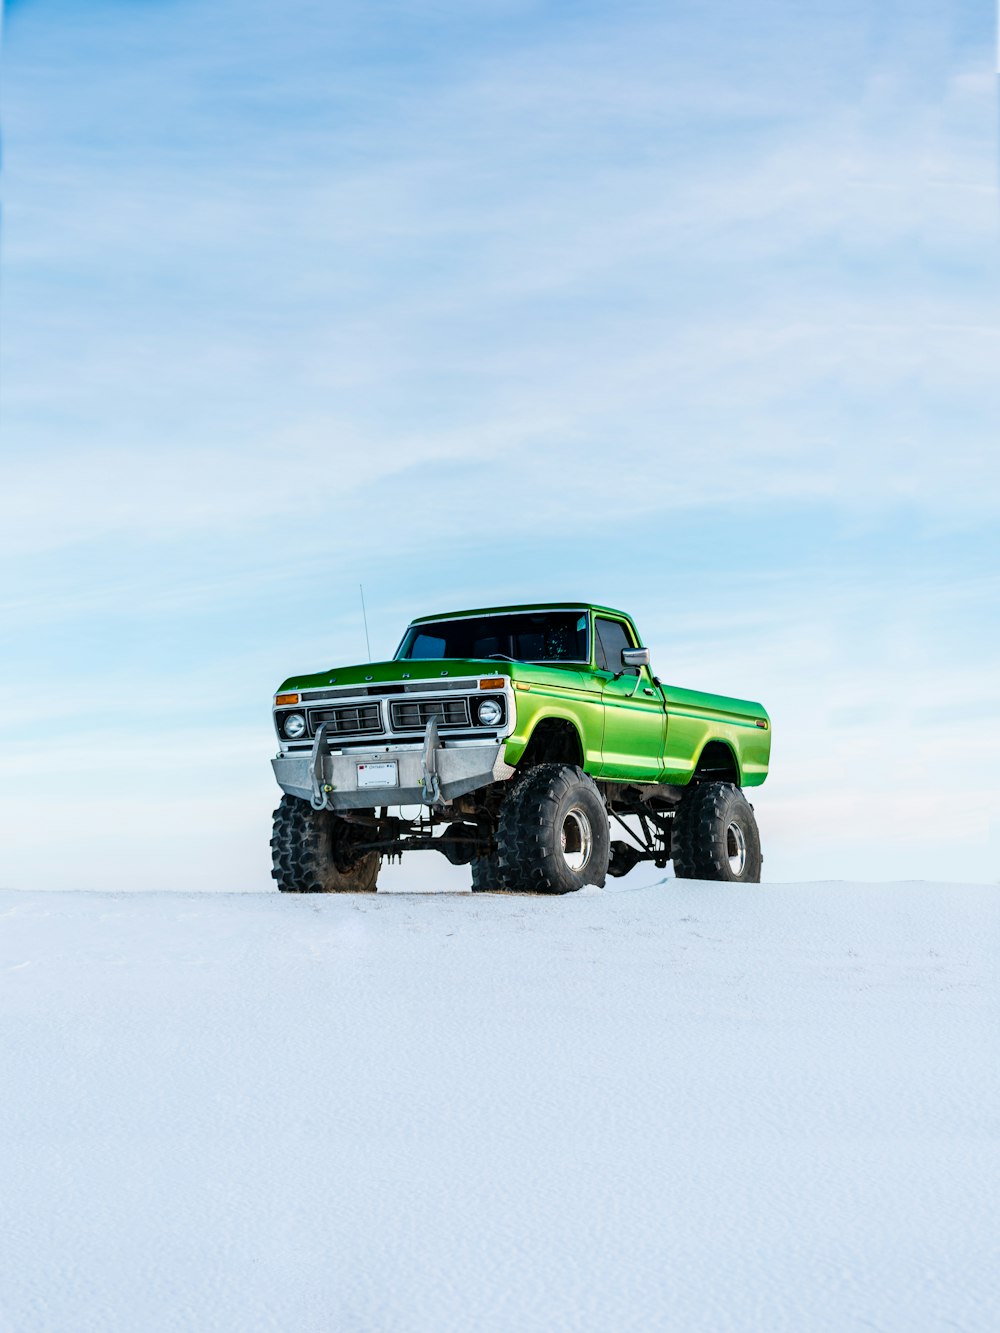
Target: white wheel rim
{"x": 576, "y": 839}
{"x": 736, "y": 849}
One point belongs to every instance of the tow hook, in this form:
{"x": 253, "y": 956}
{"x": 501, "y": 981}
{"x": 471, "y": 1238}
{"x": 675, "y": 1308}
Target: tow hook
{"x": 428, "y": 763}
{"x": 320, "y": 789}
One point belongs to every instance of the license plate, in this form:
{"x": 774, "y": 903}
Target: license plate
{"x": 378, "y": 775}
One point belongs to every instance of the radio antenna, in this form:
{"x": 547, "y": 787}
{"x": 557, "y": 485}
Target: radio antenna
{"x": 364, "y": 615}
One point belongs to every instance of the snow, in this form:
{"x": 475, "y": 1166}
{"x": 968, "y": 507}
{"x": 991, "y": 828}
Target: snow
{"x": 657, "y": 1106}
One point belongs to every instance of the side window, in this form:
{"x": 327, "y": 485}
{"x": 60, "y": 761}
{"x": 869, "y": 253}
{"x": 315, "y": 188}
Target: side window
{"x": 612, "y": 640}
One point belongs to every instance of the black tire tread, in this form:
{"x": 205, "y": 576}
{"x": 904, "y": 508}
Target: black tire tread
{"x": 487, "y": 877}
{"x": 696, "y": 847}
{"x": 302, "y": 858}
{"x": 528, "y": 810}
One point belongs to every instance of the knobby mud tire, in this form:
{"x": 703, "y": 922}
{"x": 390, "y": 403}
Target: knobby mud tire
{"x": 487, "y": 877}
{"x": 545, "y": 804}
{"x": 704, "y": 838}
{"x": 311, "y": 852}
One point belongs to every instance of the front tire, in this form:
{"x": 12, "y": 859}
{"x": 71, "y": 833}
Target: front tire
{"x": 553, "y": 835}
{"x": 312, "y": 852}
{"x": 715, "y": 835}
{"x": 487, "y": 877}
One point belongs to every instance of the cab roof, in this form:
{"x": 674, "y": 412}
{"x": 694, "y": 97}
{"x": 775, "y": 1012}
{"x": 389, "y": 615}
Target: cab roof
{"x": 531, "y": 606}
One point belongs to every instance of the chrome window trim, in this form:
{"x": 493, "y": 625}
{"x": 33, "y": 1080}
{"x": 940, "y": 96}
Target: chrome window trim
{"x": 479, "y": 615}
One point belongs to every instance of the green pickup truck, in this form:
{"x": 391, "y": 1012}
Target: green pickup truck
{"x": 516, "y": 740}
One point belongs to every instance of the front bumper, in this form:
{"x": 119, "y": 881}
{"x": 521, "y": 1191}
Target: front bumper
{"x": 435, "y": 775}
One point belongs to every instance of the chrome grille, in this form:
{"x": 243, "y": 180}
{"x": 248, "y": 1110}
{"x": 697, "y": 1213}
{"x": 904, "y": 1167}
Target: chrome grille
{"x": 348, "y": 719}
{"x": 414, "y": 714}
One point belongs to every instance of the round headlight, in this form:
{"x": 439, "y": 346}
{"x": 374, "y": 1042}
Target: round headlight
{"x": 489, "y": 712}
{"x": 294, "y": 726}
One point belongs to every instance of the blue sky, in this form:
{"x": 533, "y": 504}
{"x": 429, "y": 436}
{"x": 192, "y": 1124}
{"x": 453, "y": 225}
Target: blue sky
{"x": 690, "y": 309}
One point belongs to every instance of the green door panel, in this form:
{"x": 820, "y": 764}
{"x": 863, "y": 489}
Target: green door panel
{"x": 634, "y": 715}
{"x": 634, "y": 728}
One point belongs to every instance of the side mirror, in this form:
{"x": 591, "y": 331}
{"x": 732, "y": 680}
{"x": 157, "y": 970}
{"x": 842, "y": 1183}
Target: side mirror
{"x": 635, "y": 657}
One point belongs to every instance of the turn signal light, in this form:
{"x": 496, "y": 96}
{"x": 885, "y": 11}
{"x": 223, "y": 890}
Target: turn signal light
{"x": 286, "y": 699}
{"x": 492, "y": 683}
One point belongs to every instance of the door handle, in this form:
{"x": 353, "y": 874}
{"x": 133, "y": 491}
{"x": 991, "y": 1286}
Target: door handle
{"x": 651, "y": 693}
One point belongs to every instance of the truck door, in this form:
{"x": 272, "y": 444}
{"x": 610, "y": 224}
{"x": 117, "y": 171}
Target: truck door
{"x": 635, "y": 719}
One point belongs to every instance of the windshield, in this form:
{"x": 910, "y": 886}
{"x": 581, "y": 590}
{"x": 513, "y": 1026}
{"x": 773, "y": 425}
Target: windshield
{"x": 521, "y": 636}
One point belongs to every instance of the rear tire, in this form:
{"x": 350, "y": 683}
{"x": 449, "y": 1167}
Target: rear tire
{"x": 553, "y": 835}
{"x": 311, "y": 852}
{"x": 715, "y": 835}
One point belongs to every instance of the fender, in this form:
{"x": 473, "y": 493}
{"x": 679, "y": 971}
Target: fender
{"x": 531, "y": 716}
{"x": 722, "y": 756}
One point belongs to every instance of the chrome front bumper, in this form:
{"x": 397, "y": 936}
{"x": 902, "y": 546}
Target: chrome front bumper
{"x": 434, "y": 775}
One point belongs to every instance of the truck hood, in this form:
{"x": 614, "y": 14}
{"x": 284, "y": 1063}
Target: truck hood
{"x": 382, "y": 673}
{"x": 374, "y": 673}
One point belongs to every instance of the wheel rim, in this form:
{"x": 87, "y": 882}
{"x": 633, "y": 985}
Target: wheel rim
{"x": 576, "y": 839}
{"x": 736, "y": 849}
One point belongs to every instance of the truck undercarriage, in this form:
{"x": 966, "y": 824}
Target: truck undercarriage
{"x": 466, "y": 830}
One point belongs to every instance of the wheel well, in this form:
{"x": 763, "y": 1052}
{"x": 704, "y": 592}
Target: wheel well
{"x": 553, "y": 741}
{"x": 717, "y": 763}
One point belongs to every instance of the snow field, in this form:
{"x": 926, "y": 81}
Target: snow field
{"x": 658, "y": 1106}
